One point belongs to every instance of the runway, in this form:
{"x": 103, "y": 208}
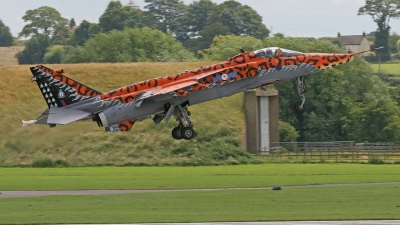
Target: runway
{"x": 20, "y": 194}
{"x": 349, "y": 222}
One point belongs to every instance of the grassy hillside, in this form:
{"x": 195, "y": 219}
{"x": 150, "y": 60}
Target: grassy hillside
{"x": 7, "y": 55}
{"x": 219, "y": 124}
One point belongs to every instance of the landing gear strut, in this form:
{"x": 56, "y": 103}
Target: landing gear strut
{"x": 300, "y": 106}
{"x": 185, "y": 126}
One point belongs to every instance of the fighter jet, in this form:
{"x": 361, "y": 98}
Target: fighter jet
{"x": 170, "y": 96}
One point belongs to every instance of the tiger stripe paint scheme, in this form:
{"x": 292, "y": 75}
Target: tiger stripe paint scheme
{"x": 119, "y": 109}
{"x": 246, "y": 65}
{"x": 81, "y": 89}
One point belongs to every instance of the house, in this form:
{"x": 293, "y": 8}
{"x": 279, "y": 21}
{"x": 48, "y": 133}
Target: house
{"x": 132, "y": 4}
{"x": 355, "y": 43}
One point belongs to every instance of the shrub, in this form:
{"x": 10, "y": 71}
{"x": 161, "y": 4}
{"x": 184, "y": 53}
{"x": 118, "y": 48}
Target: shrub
{"x": 43, "y": 162}
{"x": 54, "y": 54}
{"x": 34, "y": 51}
{"x": 287, "y": 133}
{"x": 61, "y": 162}
{"x": 375, "y": 160}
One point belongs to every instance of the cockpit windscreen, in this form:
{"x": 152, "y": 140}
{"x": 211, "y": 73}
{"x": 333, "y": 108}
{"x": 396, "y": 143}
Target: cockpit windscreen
{"x": 273, "y": 52}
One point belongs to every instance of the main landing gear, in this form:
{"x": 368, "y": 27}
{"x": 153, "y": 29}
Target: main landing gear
{"x": 184, "y": 130}
{"x": 300, "y": 106}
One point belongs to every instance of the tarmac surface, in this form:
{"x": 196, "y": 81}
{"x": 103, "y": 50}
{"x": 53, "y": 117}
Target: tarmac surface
{"x": 20, "y": 194}
{"x": 350, "y": 222}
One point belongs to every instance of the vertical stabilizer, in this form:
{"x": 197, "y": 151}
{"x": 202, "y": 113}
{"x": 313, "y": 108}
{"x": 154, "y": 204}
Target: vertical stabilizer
{"x": 59, "y": 90}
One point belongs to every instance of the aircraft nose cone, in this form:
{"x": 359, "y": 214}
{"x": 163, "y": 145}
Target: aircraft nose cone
{"x": 326, "y": 61}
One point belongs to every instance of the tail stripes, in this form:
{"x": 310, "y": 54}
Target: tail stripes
{"x": 59, "y": 90}
{"x": 80, "y": 88}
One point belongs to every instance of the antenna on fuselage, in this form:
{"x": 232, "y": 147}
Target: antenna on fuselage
{"x": 241, "y": 50}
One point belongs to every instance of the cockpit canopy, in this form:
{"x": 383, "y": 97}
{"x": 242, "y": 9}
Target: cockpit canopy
{"x": 274, "y": 51}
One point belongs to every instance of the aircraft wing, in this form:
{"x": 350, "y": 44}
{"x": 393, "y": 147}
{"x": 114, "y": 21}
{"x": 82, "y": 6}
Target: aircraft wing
{"x": 175, "y": 86}
{"x": 174, "y": 89}
{"x": 197, "y": 82}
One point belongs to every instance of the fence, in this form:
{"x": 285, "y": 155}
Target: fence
{"x": 340, "y": 151}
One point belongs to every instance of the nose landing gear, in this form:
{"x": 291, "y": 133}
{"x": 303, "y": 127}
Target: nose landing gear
{"x": 300, "y": 106}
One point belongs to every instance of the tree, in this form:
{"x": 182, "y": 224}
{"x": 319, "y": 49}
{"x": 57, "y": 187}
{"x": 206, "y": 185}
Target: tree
{"x": 393, "y": 39}
{"x": 196, "y": 17}
{"x": 72, "y": 23}
{"x": 381, "y": 11}
{"x": 194, "y": 20}
{"x": 287, "y": 133}
{"x": 129, "y": 45}
{"x": 166, "y": 13}
{"x": 240, "y": 19}
{"x": 47, "y": 21}
{"x": 6, "y": 38}
{"x": 119, "y": 17}
{"x": 35, "y": 49}
{"x": 398, "y": 45}
{"x": 54, "y": 54}
{"x": 84, "y": 32}
{"x": 206, "y": 37}
{"x": 224, "y": 47}
{"x": 378, "y": 121}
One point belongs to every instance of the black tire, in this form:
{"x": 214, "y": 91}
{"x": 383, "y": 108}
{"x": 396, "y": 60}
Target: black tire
{"x": 177, "y": 133}
{"x": 188, "y": 133}
{"x": 298, "y": 109}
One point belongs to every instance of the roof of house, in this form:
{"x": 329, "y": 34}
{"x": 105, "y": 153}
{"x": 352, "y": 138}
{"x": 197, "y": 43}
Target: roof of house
{"x": 132, "y": 4}
{"x": 351, "y": 39}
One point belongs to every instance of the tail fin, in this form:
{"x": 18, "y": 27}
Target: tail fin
{"x": 59, "y": 90}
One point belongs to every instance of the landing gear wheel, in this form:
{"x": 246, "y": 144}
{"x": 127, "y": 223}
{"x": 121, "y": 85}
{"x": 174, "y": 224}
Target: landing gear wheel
{"x": 300, "y": 108}
{"x": 185, "y": 125}
{"x": 187, "y": 133}
{"x": 177, "y": 133}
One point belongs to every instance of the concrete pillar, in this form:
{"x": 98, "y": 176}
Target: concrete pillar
{"x": 262, "y": 116}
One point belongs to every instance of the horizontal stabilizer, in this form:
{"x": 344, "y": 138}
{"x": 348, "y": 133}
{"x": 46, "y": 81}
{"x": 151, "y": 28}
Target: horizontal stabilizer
{"x": 64, "y": 115}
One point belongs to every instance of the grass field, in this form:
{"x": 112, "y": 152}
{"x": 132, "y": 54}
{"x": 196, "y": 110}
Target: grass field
{"x": 323, "y": 203}
{"x": 263, "y": 175}
{"x": 317, "y": 203}
{"x": 388, "y": 68}
{"x": 7, "y": 55}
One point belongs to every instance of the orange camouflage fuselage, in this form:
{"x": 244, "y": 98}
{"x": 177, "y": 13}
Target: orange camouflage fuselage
{"x": 245, "y": 65}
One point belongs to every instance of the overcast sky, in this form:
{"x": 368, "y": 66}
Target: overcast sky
{"x": 305, "y": 18}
